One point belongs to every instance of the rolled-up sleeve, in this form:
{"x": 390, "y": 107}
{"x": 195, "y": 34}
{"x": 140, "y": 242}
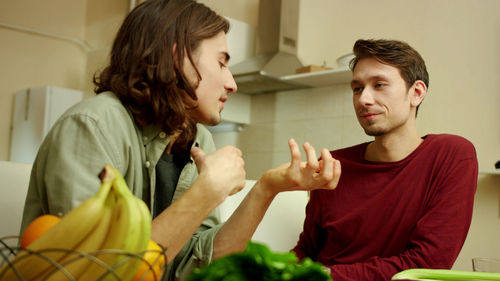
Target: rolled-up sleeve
{"x": 197, "y": 252}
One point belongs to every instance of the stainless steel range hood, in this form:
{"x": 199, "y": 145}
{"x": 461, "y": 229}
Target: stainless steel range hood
{"x": 276, "y": 48}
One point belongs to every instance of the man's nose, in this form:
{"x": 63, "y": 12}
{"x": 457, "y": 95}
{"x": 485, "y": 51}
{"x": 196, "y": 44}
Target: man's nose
{"x": 366, "y": 96}
{"x": 230, "y": 84}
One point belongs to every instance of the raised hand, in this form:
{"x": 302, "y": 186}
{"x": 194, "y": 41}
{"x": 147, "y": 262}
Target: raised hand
{"x": 303, "y": 175}
{"x": 223, "y": 170}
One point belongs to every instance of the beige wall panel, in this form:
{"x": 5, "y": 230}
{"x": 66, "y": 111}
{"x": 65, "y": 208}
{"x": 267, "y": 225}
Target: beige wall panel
{"x": 30, "y": 60}
{"x": 242, "y": 10}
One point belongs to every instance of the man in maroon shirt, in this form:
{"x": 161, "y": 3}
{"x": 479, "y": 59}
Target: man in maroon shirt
{"x": 403, "y": 201}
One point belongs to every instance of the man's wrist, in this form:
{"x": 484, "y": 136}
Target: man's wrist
{"x": 265, "y": 187}
{"x": 207, "y": 188}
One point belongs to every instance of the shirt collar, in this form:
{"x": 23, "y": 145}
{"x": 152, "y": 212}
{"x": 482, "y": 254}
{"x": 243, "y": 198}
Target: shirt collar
{"x": 150, "y": 132}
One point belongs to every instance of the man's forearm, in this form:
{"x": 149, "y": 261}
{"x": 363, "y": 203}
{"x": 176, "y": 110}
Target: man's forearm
{"x": 240, "y": 227}
{"x": 176, "y": 224}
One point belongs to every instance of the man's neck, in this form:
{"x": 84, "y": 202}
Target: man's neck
{"x": 392, "y": 147}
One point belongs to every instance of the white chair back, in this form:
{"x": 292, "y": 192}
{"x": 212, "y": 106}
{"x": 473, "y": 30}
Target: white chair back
{"x": 283, "y": 222}
{"x": 14, "y": 180}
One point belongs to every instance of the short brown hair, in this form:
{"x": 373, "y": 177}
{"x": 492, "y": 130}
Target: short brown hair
{"x": 141, "y": 72}
{"x": 396, "y": 53}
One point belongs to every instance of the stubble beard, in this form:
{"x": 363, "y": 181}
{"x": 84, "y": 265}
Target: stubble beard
{"x": 373, "y": 131}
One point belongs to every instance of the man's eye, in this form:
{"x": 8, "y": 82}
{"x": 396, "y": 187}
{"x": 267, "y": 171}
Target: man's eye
{"x": 356, "y": 89}
{"x": 379, "y": 85}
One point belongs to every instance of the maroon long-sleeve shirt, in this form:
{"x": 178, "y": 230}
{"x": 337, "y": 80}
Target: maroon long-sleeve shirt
{"x": 385, "y": 217}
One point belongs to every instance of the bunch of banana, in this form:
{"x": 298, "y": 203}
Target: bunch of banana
{"x": 101, "y": 239}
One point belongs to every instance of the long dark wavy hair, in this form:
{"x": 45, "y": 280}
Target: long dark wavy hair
{"x": 142, "y": 72}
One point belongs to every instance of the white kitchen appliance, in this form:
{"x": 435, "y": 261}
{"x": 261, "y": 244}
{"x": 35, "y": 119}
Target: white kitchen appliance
{"x": 35, "y": 111}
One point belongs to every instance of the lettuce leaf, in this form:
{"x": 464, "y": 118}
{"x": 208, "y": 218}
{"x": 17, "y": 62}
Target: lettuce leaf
{"x": 258, "y": 262}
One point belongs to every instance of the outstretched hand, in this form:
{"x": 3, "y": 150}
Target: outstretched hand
{"x": 304, "y": 175}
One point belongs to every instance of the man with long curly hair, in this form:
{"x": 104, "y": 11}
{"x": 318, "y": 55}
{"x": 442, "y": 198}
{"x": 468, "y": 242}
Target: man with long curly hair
{"x": 167, "y": 77}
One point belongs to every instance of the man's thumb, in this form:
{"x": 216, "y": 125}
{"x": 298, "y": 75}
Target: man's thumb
{"x": 197, "y": 154}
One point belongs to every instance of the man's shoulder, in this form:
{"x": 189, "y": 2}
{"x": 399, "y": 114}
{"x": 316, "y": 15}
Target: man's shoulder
{"x": 104, "y": 113}
{"x": 350, "y": 151}
{"x": 450, "y": 147}
{"x": 105, "y": 108}
{"x": 449, "y": 141}
{"x": 101, "y": 104}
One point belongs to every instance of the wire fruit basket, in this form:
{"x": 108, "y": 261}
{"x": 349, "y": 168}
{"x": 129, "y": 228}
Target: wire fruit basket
{"x": 9, "y": 249}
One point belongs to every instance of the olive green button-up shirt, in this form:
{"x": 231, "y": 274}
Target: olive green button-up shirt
{"x": 101, "y": 130}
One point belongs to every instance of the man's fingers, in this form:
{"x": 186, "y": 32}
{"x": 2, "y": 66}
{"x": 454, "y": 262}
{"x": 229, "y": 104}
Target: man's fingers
{"x": 326, "y": 167}
{"x": 337, "y": 172}
{"x": 294, "y": 153}
{"x": 312, "y": 159}
{"x": 329, "y": 175}
{"x": 332, "y": 176}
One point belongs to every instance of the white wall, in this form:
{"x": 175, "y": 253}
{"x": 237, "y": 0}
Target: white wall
{"x": 31, "y": 60}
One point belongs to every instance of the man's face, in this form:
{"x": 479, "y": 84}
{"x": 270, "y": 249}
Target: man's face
{"x": 380, "y": 97}
{"x": 211, "y": 59}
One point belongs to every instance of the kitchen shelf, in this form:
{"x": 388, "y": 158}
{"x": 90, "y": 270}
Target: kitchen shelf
{"x": 321, "y": 78}
{"x": 260, "y": 82}
{"x": 490, "y": 172}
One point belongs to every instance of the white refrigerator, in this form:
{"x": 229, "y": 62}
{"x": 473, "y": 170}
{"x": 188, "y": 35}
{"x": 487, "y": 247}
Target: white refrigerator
{"x": 35, "y": 111}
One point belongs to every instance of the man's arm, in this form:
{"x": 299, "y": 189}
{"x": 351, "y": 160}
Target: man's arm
{"x": 297, "y": 175}
{"x": 220, "y": 175}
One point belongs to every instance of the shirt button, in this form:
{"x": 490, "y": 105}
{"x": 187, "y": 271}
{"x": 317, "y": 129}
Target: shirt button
{"x": 162, "y": 135}
{"x": 147, "y": 164}
{"x": 145, "y": 138}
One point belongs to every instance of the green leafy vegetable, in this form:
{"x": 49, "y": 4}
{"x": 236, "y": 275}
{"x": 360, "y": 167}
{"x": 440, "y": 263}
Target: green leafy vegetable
{"x": 257, "y": 262}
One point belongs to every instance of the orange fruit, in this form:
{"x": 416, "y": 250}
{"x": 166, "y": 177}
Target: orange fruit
{"x": 37, "y": 228}
{"x": 153, "y": 257}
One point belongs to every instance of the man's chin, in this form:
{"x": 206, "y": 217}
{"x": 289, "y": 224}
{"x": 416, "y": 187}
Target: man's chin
{"x": 374, "y": 132}
{"x": 214, "y": 121}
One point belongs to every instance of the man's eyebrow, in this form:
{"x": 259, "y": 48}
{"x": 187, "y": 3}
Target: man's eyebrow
{"x": 371, "y": 78}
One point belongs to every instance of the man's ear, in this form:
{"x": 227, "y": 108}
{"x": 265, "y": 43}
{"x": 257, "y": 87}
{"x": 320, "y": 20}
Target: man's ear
{"x": 418, "y": 92}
